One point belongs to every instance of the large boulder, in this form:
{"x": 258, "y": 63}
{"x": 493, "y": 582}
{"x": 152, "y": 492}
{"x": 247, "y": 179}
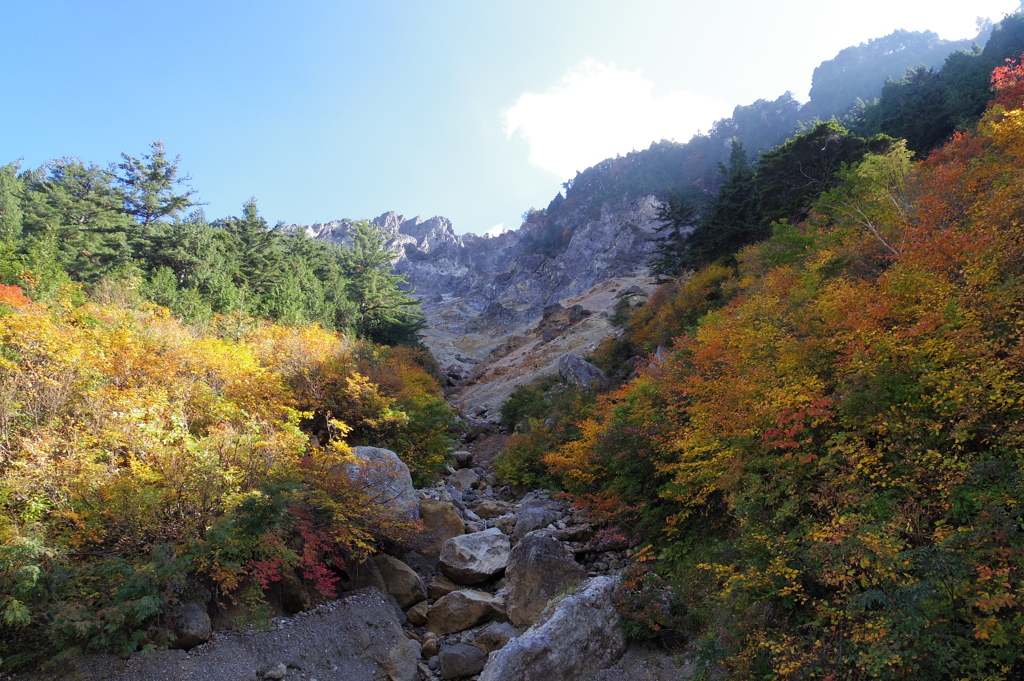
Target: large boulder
{"x": 474, "y": 558}
{"x": 441, "y": 522}
{"x": 190, "y": 624}
{"x": 533, "y": 518}
{"x": 385, "y": 479}
{"x": 490, "y": 508}
{"x": 463, "y": 479}
{"x": 539, "y": 568}
{"x": 575, "y": 370}
{"x": 461, "y": 660}
{"x": 463, "y": 609}
{"x": 401, "y": 581}
{"x": 581, "y": 637}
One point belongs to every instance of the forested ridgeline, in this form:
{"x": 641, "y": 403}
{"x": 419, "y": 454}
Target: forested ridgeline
{"x": 133, "y": 231}
{"x": 823, "y": 449}
{"x": 907, "y": 85}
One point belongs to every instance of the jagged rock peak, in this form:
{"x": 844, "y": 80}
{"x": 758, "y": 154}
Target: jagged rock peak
{"x": 423, "y": 235}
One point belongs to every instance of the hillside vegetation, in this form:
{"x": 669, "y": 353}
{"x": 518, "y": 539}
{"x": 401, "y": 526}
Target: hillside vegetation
{"x": 143, "y": 464}
{"x": 827, "y": 458}
{"x": 134, "y": 231}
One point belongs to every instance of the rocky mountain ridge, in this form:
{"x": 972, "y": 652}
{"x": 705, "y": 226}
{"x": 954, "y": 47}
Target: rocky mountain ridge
{"x": 504, "y": 309}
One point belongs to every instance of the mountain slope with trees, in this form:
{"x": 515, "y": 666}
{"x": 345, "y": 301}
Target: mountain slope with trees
{"x": 826, "y": 461}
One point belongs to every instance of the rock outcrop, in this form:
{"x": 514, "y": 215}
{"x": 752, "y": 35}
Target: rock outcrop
{"x": 575, "y": 370}
{"x": 581, "y": 637}
{"x": 503, "y": 310}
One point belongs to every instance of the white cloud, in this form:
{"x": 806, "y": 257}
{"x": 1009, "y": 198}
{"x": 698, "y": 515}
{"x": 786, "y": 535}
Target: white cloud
{"x": 497, "y": 230}
{"x": 600, "y": 110}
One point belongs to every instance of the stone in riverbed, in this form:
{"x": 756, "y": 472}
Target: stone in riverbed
{"x": 461, "y": 660}
{"x": 462, "y": 610}
{"x": 474, "y": 558}
{"x": 441, "y": 522}
{"x": 463, "y": 479}
{"x": 400, "y": 580}
{"x": 539, "y": 568}
{"x": 190, "y": 625}
{"x": 581, "y": 637}
{"x": 494, "y": 636}
{"x": 440, "y": 586}
{"x": 533, "y": 518}
{"x": 489, "y": 508}
{"x": 385, "y": 479}
{"x": 417, "y": 614}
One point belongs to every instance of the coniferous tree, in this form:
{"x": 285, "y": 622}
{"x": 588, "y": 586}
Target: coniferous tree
{"x": 79, "y": 208}
{"x": 384, "y": 311}
{"x": 677, "y": 217}
{"x": 151, "y": 184}
{"x": 731, "y": 219}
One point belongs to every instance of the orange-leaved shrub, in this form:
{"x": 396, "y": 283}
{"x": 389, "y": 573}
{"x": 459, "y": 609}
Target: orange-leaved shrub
{"x": 833, "y": 453}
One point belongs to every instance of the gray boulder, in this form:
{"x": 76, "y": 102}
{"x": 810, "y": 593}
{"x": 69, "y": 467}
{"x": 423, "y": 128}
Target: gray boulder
{"x": 461, "y": 660}
{"x": 580, "y": 638}
{"x": 385, "y": 479}
{"x": 575, "y": 370}
{"x": 539, "y": 568}
{"x": 494, "y": 636}
{"x": 190, "y": 624}
{"x": 400, "y": 580}
{"x": 474, "y": 558}
{"x": 533, "y": 518}
{"x": 462, "y": 610}
{"x": 274, "y": 672}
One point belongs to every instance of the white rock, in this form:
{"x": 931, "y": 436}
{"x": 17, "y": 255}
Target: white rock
{"x": 474, "y": 558}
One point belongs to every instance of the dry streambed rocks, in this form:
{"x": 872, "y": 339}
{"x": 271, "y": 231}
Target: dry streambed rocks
{"x": 487, "y": 592}
{"x": 498, "y": 584}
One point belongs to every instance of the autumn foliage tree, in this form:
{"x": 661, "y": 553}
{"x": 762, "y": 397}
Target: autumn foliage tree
{"x": 830, "y": 455}
{"x": 142, "y": 464}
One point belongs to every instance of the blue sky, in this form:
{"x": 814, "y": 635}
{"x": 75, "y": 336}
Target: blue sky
{"x": 475, "y": 110}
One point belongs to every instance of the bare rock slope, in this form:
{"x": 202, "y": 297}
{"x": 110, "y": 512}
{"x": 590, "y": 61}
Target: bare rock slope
{"x": 503, "y": 310}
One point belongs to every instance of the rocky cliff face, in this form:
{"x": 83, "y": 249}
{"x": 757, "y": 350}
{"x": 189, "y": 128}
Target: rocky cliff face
{"x": 503, "y": 310}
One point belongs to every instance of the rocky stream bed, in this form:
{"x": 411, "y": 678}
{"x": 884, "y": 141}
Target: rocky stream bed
{"x": 502, "y": 586}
